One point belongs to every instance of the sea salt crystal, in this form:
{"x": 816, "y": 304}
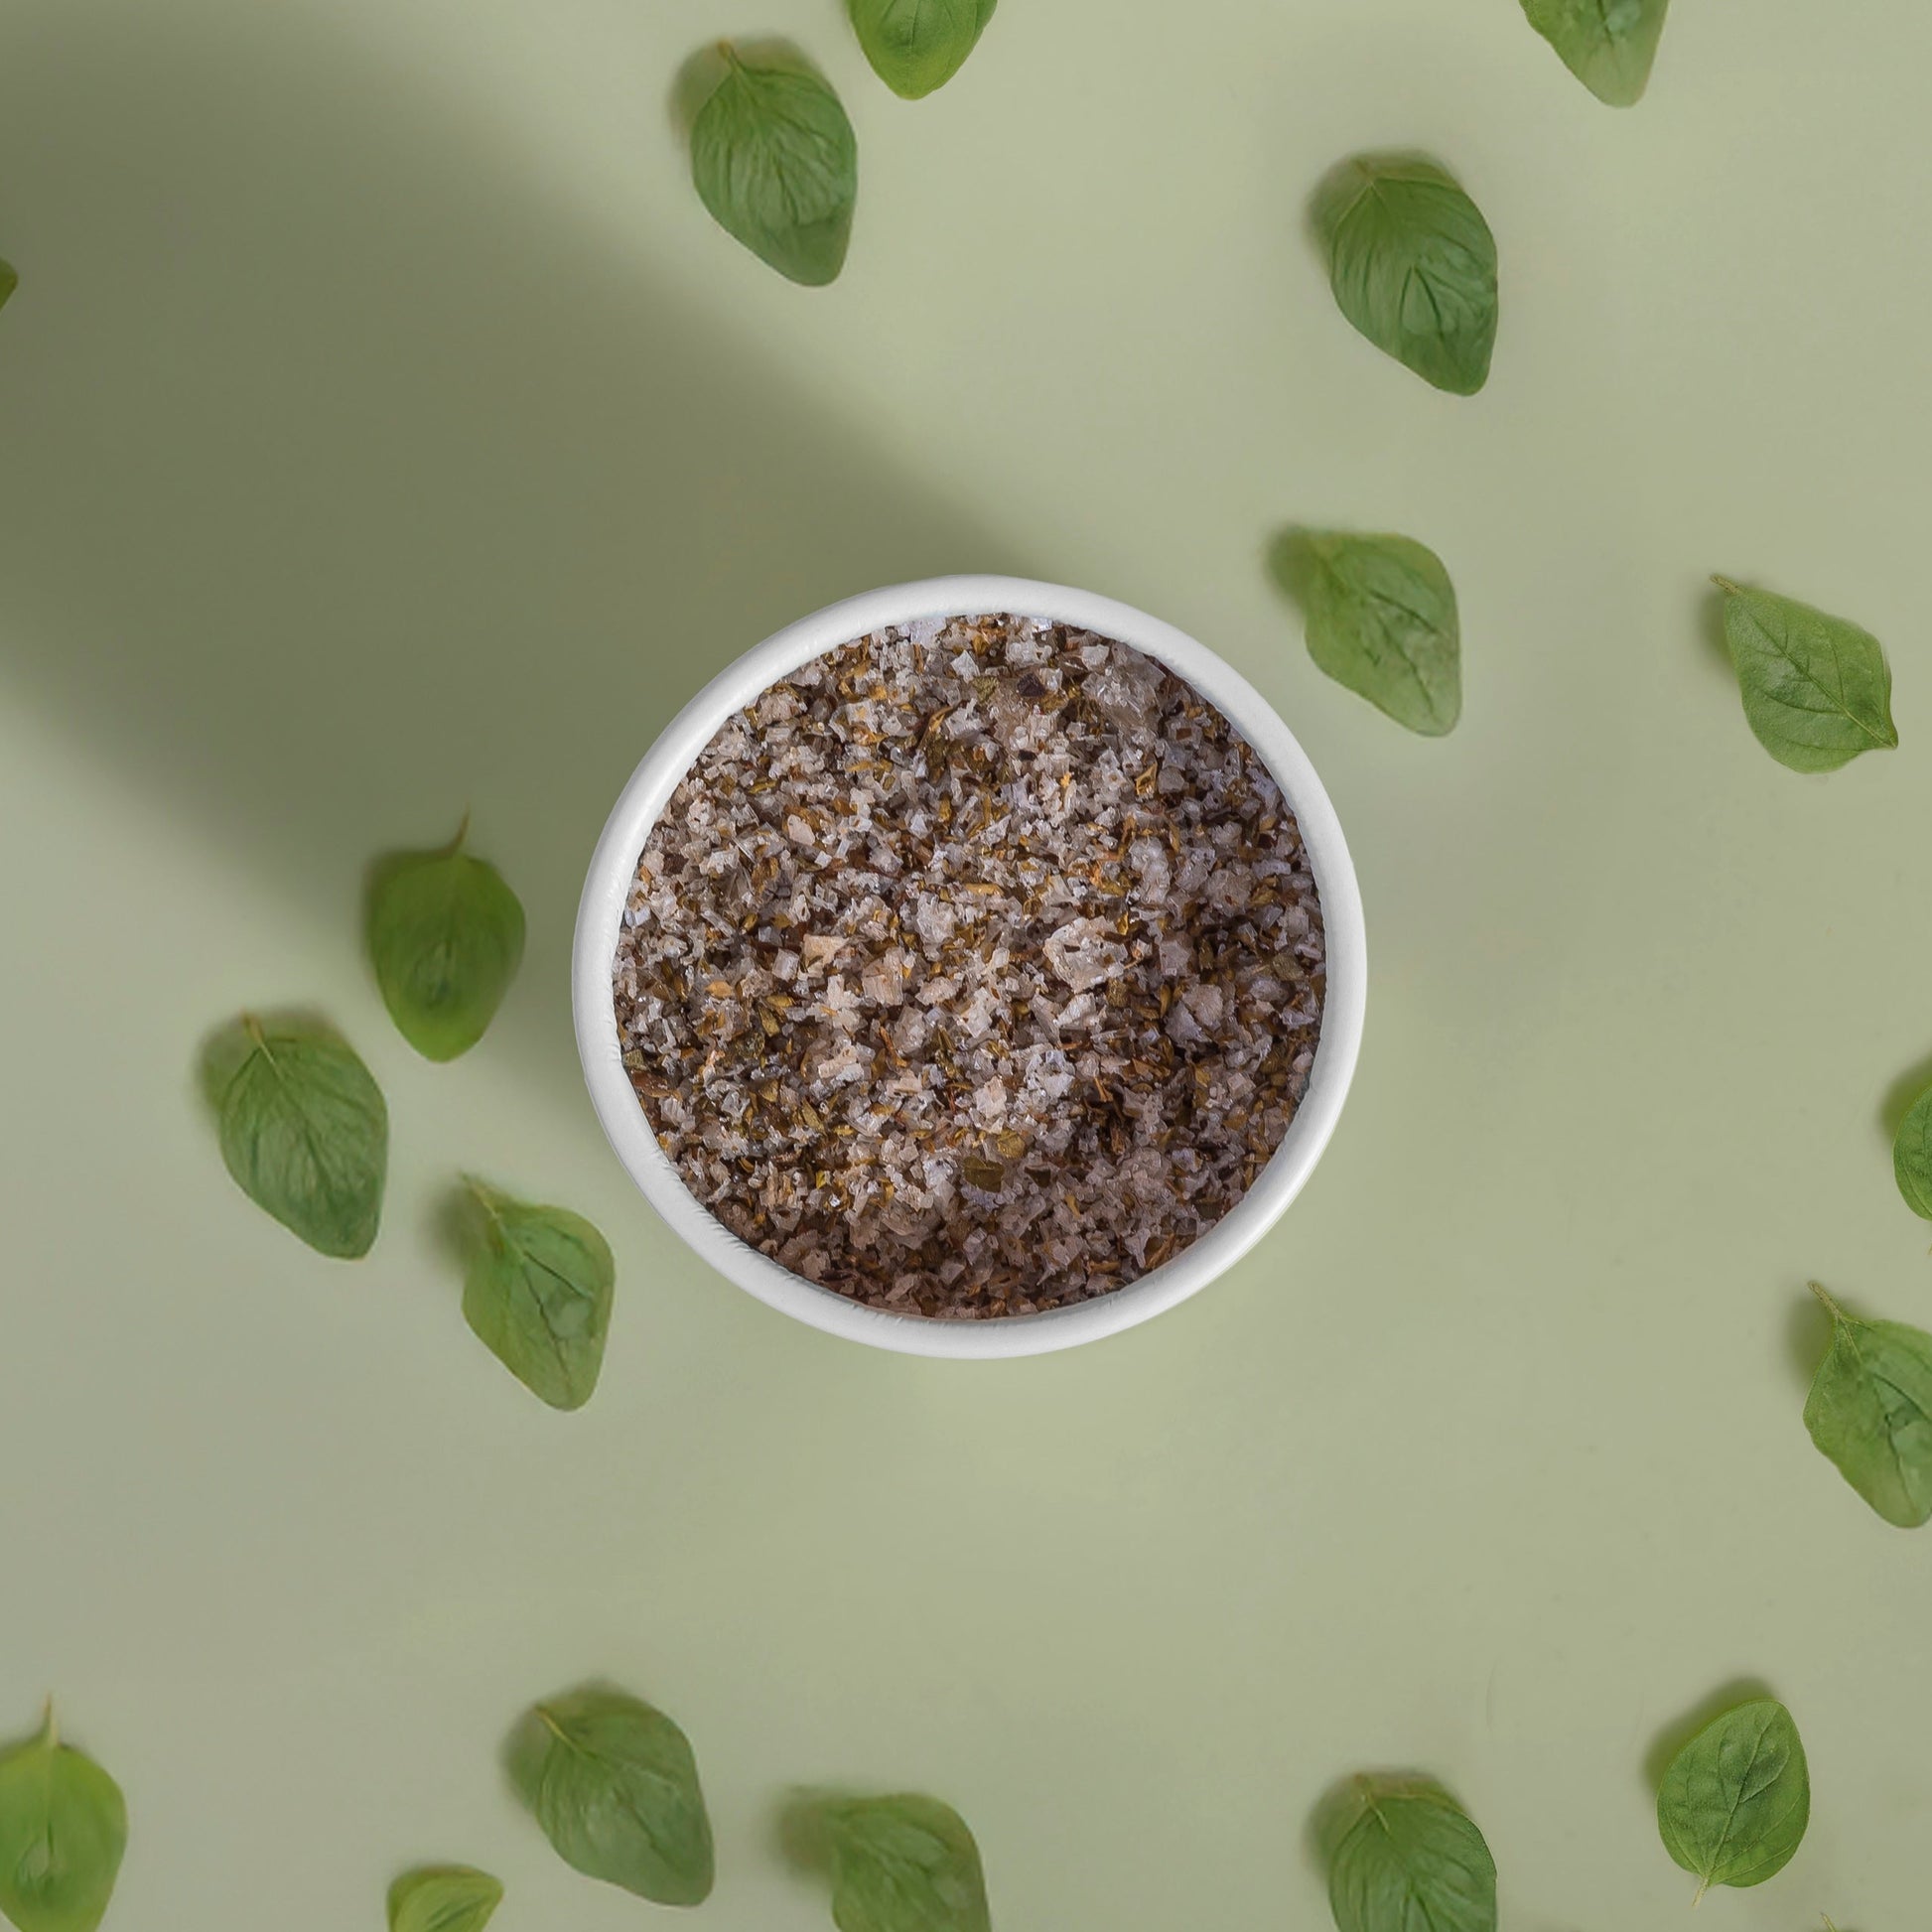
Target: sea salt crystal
{"x": 1083, "y": 951}
{"x": 934, "y": 919}
{"x": 979, "y": 1012}
{"x": 1205, "y": 1004}
{"x": 819, "y": 949}
{"x": 990, "y": 1102}
{"x": 881, "y": 980}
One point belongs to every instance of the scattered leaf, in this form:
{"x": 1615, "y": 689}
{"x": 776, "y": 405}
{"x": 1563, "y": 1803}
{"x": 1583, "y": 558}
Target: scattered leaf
{"x": 1817, "y": 689}
{"x": 614, "y": 1786}
{"x": 446, "y": 935}
{"x": 1412, "y": 265}
{"x": 1737, "y": 1798}
{"x": 1379, "y": 613}
{"x": 304, "y": 1128}
{"x": 776, "y": 163}
{"x": 537, "y": 1292}
{"x": 1409, "y": 1859}
{"x": 904, "y": 1864}
{"x": 63, "y": 1831}
{"x": 1911, "y": 1157}
{"x": 1609, "y": 45}
{"x": 1871, "y": 1412}
{"x": 442, "y": 1898}
{"x": 916, "y": 46}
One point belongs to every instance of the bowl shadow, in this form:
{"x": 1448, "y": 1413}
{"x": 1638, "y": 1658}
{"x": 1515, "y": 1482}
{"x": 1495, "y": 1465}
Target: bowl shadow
{"x": 359, "y": 470}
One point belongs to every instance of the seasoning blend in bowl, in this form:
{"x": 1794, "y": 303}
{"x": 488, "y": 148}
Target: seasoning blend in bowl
{"x": 972, "y": 969}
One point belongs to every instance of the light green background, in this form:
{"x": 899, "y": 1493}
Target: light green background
{"x": 386, "y": 429}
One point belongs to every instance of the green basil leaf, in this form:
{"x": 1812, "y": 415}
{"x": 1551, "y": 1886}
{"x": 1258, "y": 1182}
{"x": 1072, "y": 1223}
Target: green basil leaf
{"x": 1817, "y": 689}
{"x": 442, "y": 1898}
{"x": 1380, "y": 616}
{"x": 776, "y": 163}
{"x": 9, "y": 281}
{"x": 1409, "y": 1859}
{"x": 1737, "y": 1798}
{"x": 615, "y": 1787}
{"x": 446, "y": 935}
{"x": 1871, "y": 1411}
{"x": 63, "y": 1831}
{"x": 1412, "y": 265}
{"x": 537, "y": 1292}
{"x": 1609, "y": 45}
{"x": 1911, "y": 1157}
{"x": 304, "y": 1128}
{"x": 916, "y": 46}
{"x": 903, "y": 1864}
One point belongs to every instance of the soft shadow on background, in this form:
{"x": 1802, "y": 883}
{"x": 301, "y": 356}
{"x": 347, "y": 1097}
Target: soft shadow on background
{"x": 1673, "y": 1735}
{"x": 1711, "y": 635}
{"x": 1902, "y": 1096}
{"x": 1341, "y": 1804}
{"x": 352, "y": 479}
{"x": 1807, "y": 1337}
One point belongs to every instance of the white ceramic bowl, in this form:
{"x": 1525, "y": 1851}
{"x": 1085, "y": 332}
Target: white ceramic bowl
{"x": 615, "y": 865}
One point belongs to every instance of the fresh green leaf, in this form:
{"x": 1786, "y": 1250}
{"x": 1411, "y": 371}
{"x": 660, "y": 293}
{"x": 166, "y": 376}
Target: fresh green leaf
{"x": 1737, "y": 1798}
{"x": 1871, "y": 1411}
{"x": 63, "y": 1831}
{"x": 537, "y": 1292}
{"x": 1380, "y": 618}
{"x": 1412, "y": 265}
{"x": 916, "y": 46}
{"x": 1609, "y": 45}
{"x": 1817, "y": 689}
{"x": 1406, "y": 1857}
{"x": 776, "y": 163}
{"x": 304, "y": 1128}
{"x": 446, "y": 935}
{"x": 1911, "y": 1157}
{"x": 442, "y": 1898}
{"x": 615, "y": 1787}
{"x": 9, "y": 281}
{"x": 904, "y": 1864}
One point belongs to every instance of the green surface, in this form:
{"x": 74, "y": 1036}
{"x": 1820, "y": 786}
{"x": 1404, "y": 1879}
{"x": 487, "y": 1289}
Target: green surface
{"x": 392, "y": 430}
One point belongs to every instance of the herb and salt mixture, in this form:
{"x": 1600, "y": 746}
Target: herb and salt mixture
{"x": 975, "y": 969}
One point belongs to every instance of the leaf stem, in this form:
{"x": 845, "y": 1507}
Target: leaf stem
{"x": 50, "y": 1724}
{"x": 483, "y": 1195}
{"x": 1728, "y": 587}
{"x": 1831, "y": 1307}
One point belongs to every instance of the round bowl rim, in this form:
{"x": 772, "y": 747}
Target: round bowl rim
{"x": 613, "y": 867}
